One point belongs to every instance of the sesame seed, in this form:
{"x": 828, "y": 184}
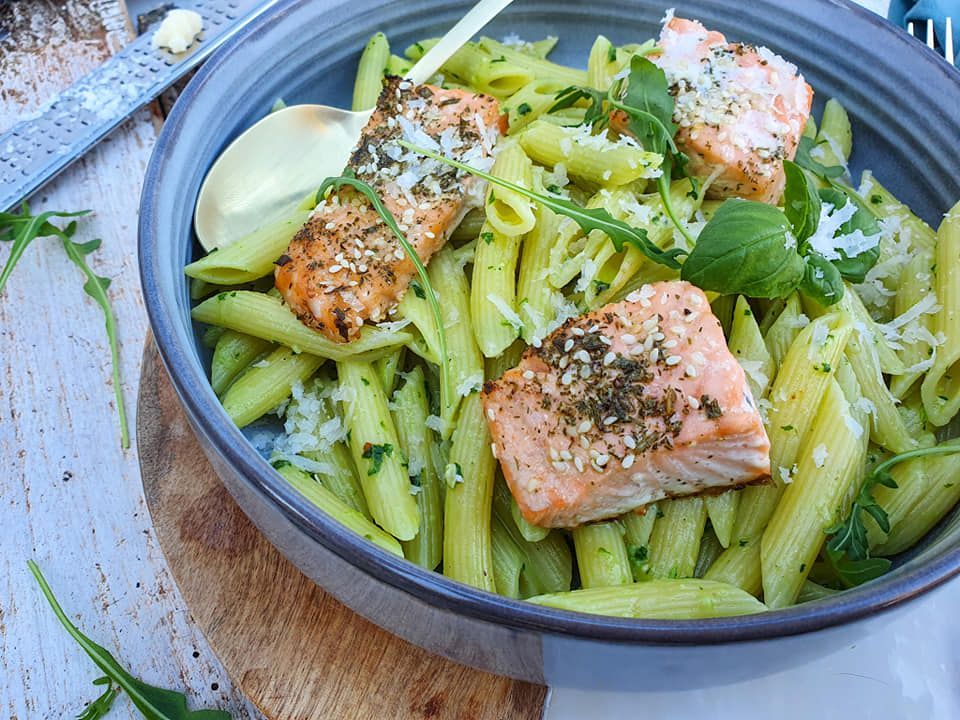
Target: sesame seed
{"x": 650, "y": 323}
{"x": 578, "y": 461}
{"x": 670, "y": 344}
{"x": 605, "y": 340}
{"x": 567, "y": 378}
{"x": 582, "y": 356}
{"x": 490, "y": 414}
{"x": 493, "y": 450}
{"x": 528, "y": 374}
{"x": 610, "y": 420}
{"x": 693, "y": 402}
{"x": 691, "y": 317}
{"x": 362, "y": 268}
{"x": 609, "y": 358}
{"x": 566, "y": 454}
{"x": 628, "y": 339}
{"x": 594, "y": 328}
{"x": 559, "y": 465}
{"x": 336, "y": 268}
{"x": 584, "y": 426}
{"x": 568, "y": 345}
{"x": 564, "y": 361}
{"x": 678, "y": 330}
{"x": 673, "y": 360}
{"x": 585, "y": 372}
{"x": 691, "y": 371}
{"x": 554, "y": 455}
{"x": 602, "y": 459}
{"x": 629, "y": 441}
{"x": 429, "y": 235}
{"x": 584, "y": 442}
{"x": 654, "y": 354}
{"x": 577, "y": 331}
{"x": 658, "y": 336}
{"x": 696, "y": 299}
{"x": 330, "y": 226}
{"x": 627, "y": 461}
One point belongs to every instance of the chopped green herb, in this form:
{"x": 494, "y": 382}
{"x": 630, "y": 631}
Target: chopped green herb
{"x": 876, "y": 199}
{"x": 555, "y": 189}
{"x": 743, "y": 542}
{"x": 417, "y": 290}
{"x": 600, "y": 285}
{"x": 823, "y": 367}
{"x": 375, "y": 454}
{"x": 487, "y": 237}
{"x": 611, "y": 53}
{"x": 786, "y": 428}
{"x": 524, "y": 109}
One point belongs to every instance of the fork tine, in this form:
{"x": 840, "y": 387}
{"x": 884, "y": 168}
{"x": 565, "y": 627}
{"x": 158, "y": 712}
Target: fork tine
{"x": 948, "y": 50}
{"x": 931, "y": 35}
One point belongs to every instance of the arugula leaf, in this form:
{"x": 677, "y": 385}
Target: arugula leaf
{"x": 153, "y": 703}
{"x": 419, "y": 289}
{"x": 101, "y": 706}
{"x": 96, "y": 287}
{"x": 375, "y": 454}
{"x": 589, "y": 219}
{"x": 805, "y": 160}
{"x": 848, "y": 548}
{"x": 744, "y": 250}
{"x": 821, "y": 280}
{"x": 801, "y": 203}
{"x": 23, "y": 229}
{"x": 854, "y": 268}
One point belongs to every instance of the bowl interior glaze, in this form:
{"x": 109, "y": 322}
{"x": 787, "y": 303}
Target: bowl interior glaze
{"x": 904, "y": 103}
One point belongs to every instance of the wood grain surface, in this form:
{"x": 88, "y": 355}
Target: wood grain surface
{"x": 70, "y": 497}
{"x": 293, "y": 649}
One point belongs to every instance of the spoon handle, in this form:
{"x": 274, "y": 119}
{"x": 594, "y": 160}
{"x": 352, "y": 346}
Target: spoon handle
{"x": 455, "y": 38}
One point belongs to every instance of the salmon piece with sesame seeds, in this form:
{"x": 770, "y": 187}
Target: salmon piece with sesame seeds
{"x": 345, "y": 267}
{"x": 637, "y": 401}
{"x": 741, "y": 109}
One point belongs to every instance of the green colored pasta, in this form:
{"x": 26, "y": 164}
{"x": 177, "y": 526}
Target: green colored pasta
{"x": 266, "y": 317}
{"x": 658, "y": 600}
{"x": 375, "y": 448}
{"x": 266, "y": 384}
{"x": 369, "y": 80}
{"x": 232, "y": 355}
{"x": 602, "y": 554}
{"x": 329, "y": 503}
{"x": 675, "y": 542}
{"x": 467, "y": 550}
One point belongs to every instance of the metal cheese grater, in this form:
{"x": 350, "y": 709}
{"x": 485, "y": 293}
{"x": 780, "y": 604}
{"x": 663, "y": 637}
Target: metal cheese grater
{"x": 46, "y": 141}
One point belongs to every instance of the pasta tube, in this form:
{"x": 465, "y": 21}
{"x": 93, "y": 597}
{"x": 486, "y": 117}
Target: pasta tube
{"x": 467, "y": 550}
{"x": 369, "y": 80}
{"x": 266, "y": 317}
{"x": 658, "y": 600}
{"x": 675, "y": 542}
{"x": 601, "y": 554}
{"x": 829, "y": 468}
{"x": 266, "y": 384}
{"x": 410, "y": 410}
{"x": 336, "y": 508}
{"x": 233, "y": 354}
{"x": 941, "y": 386}
{"x": 593, "y": 158}
{"x": 375, "y": 448}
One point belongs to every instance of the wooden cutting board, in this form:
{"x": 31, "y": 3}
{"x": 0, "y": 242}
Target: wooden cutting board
{"x": 293, "y": 649}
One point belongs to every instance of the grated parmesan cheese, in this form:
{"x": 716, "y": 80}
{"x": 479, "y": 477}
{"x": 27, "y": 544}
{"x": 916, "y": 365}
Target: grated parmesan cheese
{"x": 505, "y": 311}
{"x": 820, "y": 455}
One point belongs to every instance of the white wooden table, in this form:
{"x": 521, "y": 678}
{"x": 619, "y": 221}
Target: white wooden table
{"x": 69, "y": 496}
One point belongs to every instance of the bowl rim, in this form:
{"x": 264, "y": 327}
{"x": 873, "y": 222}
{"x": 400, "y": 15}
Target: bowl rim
{"x": 430, "y": 587}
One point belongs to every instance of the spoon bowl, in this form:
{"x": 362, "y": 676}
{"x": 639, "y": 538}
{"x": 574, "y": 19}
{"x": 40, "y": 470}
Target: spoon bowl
{"x": 274, "y": 164}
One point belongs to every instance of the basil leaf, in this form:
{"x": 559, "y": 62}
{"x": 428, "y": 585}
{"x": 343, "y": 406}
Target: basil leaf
{"x": 821, "y": 280}
{"x": 801, "y": 203}
{"x": 807, "y": 162}
{"x": 854, "y": 268}
{"x": 743, "y": 250}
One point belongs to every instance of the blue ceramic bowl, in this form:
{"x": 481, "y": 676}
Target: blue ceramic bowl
{"x": 905, "y": 103}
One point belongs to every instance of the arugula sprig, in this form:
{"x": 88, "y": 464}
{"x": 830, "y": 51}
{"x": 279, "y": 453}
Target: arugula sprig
{"x": 101, "y": 706}
{"x": 153, "y": 703}
{"x": 22, "y": 229}
{"x": 589, "y": 219}
{"x": 644, "y": 98}
{"x": 425, "y": 286}
{"x": 848, "y": 549}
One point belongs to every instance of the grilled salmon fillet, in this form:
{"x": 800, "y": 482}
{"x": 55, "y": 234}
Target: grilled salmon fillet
{"x": 635, "y": 402}
{"x": 345, "y": 266}
{"x": 741, "y": 109}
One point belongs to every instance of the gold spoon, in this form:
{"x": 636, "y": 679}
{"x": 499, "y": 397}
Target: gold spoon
{"x": 274, "y": 164}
